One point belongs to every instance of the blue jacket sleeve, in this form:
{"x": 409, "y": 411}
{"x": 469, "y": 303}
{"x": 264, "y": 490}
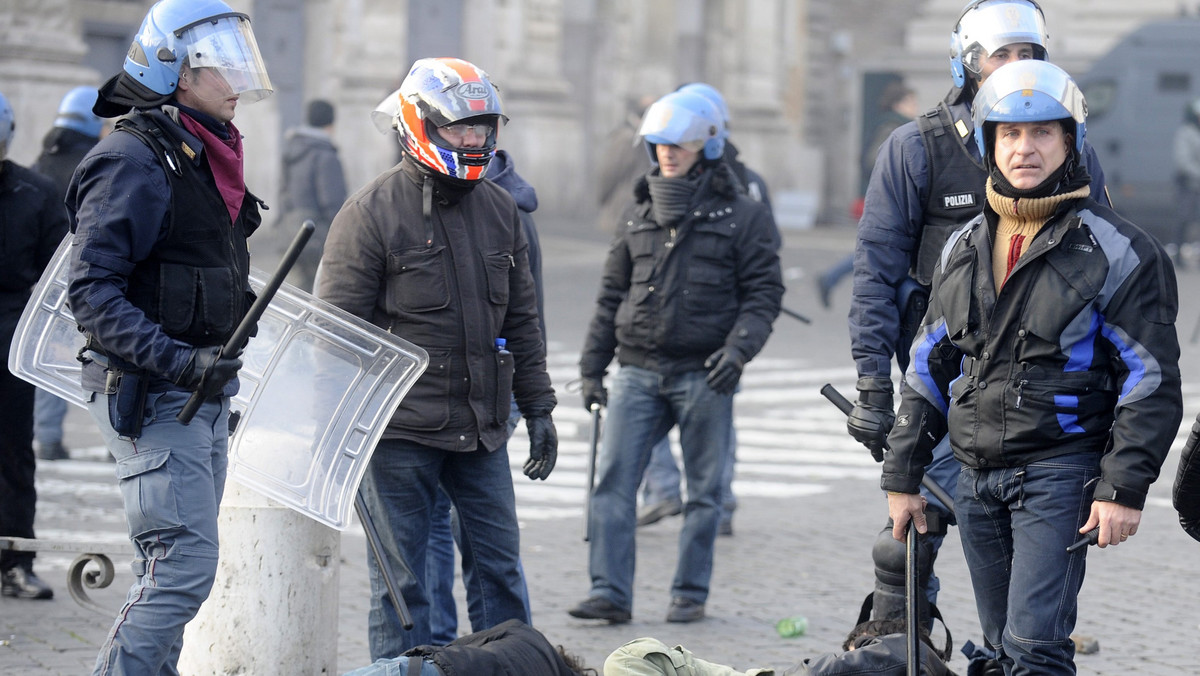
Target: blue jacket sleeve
{"x": 888, "y": 233}
{"x": 119, "y": 201}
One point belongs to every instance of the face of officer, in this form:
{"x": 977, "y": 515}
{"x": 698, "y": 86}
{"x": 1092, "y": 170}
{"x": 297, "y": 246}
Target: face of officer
{"x": 205, "y": 90}
{"x": 675, "y": 161}
{"x": 1028, "y": 152}
{"x": 1017, "y": 51}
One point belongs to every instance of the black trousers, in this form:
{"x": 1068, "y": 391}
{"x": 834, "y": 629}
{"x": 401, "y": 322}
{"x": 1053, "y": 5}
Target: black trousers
{"x": 18, "y": 497}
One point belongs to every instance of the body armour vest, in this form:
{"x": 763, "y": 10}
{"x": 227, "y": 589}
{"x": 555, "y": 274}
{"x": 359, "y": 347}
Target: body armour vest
{"x": 956, "y": 182}
{"x": 195, "y": 282}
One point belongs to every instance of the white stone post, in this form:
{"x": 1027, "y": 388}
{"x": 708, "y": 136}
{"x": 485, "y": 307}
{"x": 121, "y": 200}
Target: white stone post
{"x": 274, "y": 607}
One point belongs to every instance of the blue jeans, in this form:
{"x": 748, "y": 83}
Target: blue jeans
{"x": 439, "y": 563}
{"x": 400, "y": 489}
{"x": 172, "y": 479}
{"x": 48, "y": 412}
{"x": 395, "y": 666}
{"x": 1015, "y": 524}
{"x": 642, "y": 408}
{"x": 439, "y": 574}
{"x": 661, "y": 483}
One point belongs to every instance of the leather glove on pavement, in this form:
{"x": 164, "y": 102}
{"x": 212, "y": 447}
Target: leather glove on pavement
{"x": 593, "y": 392}
{"x": 724, "y": 369}
{"x": 208, "y": 372}
{"x": 1186, "y": 494}
{"x": 872, "y": 418}
{"x": 543, "y": 446}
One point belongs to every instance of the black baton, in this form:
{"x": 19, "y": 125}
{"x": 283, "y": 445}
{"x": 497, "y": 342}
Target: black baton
{"x": 242, "y": 333}
{"x": 587, "y": 504}
{"x": 846, "y": 407}
{"x": 376, "y": 545}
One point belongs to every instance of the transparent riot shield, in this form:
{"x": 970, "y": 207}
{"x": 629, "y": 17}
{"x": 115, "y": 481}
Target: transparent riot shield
{"x": 318, "y": 387}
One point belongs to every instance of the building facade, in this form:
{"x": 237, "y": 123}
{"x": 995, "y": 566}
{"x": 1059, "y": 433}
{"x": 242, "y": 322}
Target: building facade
{"x": 797, "y": 74}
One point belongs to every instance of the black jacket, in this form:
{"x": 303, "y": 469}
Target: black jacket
{"x": 1076, "y": 353}
{"x": 511, "y": 648}
{"x": 452, "y": 285}
{"x": 62, "y": 150}
{"x": 33, "y": 222}
{"x": 670, "y": 297}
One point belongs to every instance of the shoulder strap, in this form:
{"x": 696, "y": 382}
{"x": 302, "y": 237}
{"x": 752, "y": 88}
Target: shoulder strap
{"x": 150, "y": 133}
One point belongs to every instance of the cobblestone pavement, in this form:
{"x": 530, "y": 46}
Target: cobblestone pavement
{"x": 809, "y": 512}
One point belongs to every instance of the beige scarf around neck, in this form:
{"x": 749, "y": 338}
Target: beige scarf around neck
{"x": 1020, "y": 221}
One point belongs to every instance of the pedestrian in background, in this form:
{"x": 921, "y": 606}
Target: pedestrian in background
{"x": 623, "y": 161}
{"x": 928, "y": 181}
{"x": 689, "y": 293}
{"x": 76, "y": 129}
{"x": 431, "y": 252}
{"x": 1186, "y": 150}
{"x": 314, "y": 187}
{"x": 1048, "y": 347}
{"x": 32, "y": 224}
{"x": 160, "y": 214}
{"x": 898, "y": 105}
{"x": 661, "y": 491}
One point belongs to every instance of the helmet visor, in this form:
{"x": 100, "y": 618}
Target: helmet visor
{"x": 673, "y": 125}
{"x": 227, "y": 46}
{"x": 993, "y": 25}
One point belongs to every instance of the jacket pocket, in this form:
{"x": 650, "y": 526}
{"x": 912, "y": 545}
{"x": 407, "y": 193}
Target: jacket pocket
{"x": 956, "y": 297}
{"x": 198, "y": 302}
{"x": 427, "y": 405}
{"x": 149, "y": 492}
{"x": 417, "y": 280}
{"x": 496, "y": 266}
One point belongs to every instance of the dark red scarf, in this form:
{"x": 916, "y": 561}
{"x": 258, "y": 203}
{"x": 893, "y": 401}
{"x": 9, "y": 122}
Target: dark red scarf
{"x": 225, "y": 160}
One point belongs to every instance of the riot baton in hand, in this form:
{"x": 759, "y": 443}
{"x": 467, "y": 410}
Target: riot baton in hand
{"x": 910, "y": 601}
{"x": 389, "y": 579}
{"x": 587, "y": 502}
{"x": 242, "y": 333}
{"x": 846, "y": 407}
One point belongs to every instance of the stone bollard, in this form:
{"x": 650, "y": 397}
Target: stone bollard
{"x": 275, "y": 600}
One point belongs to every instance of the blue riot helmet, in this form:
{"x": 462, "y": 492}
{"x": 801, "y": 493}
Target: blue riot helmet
{"x": 687, "y": 120}
{"x": 7, "y": 125}
{"x": 987, "y": 25}
{"x": 1028, "y": 91}
{"x": 710, "y": 92}
{"x": 75, "y": 112}
{"x": 203, "y": 34}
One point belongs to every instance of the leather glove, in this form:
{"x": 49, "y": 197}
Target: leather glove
{"x": 872, "y": 417}
{"x": 1186, "y": 493}
{"x": 724, "y": 369}
{"x": 207, "y": 372}
{"x": 593, "y": 392}
{"x": 543, "y": 446}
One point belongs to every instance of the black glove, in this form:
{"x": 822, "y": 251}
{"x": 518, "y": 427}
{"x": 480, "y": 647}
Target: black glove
{"x": 872, "y": 417}
{"x": 724, "y": 369}
{"x": 543, "y": 446}
{"x": 207, "y": 372}
{"x": 593, "y": 392}
{"x": 1186, "y": 494}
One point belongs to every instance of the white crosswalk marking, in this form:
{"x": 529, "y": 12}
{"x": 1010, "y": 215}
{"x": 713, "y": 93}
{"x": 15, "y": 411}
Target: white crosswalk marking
{"x": 791, "y": 443}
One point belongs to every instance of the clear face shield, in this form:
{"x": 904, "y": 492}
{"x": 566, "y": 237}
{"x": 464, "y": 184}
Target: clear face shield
{"x": 227, "y": 48}
{"x": 988, "y": 27}
{"x": 664, "y": 123}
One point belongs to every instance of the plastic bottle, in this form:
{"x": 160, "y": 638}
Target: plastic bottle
{"x": 791, "y": 627}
